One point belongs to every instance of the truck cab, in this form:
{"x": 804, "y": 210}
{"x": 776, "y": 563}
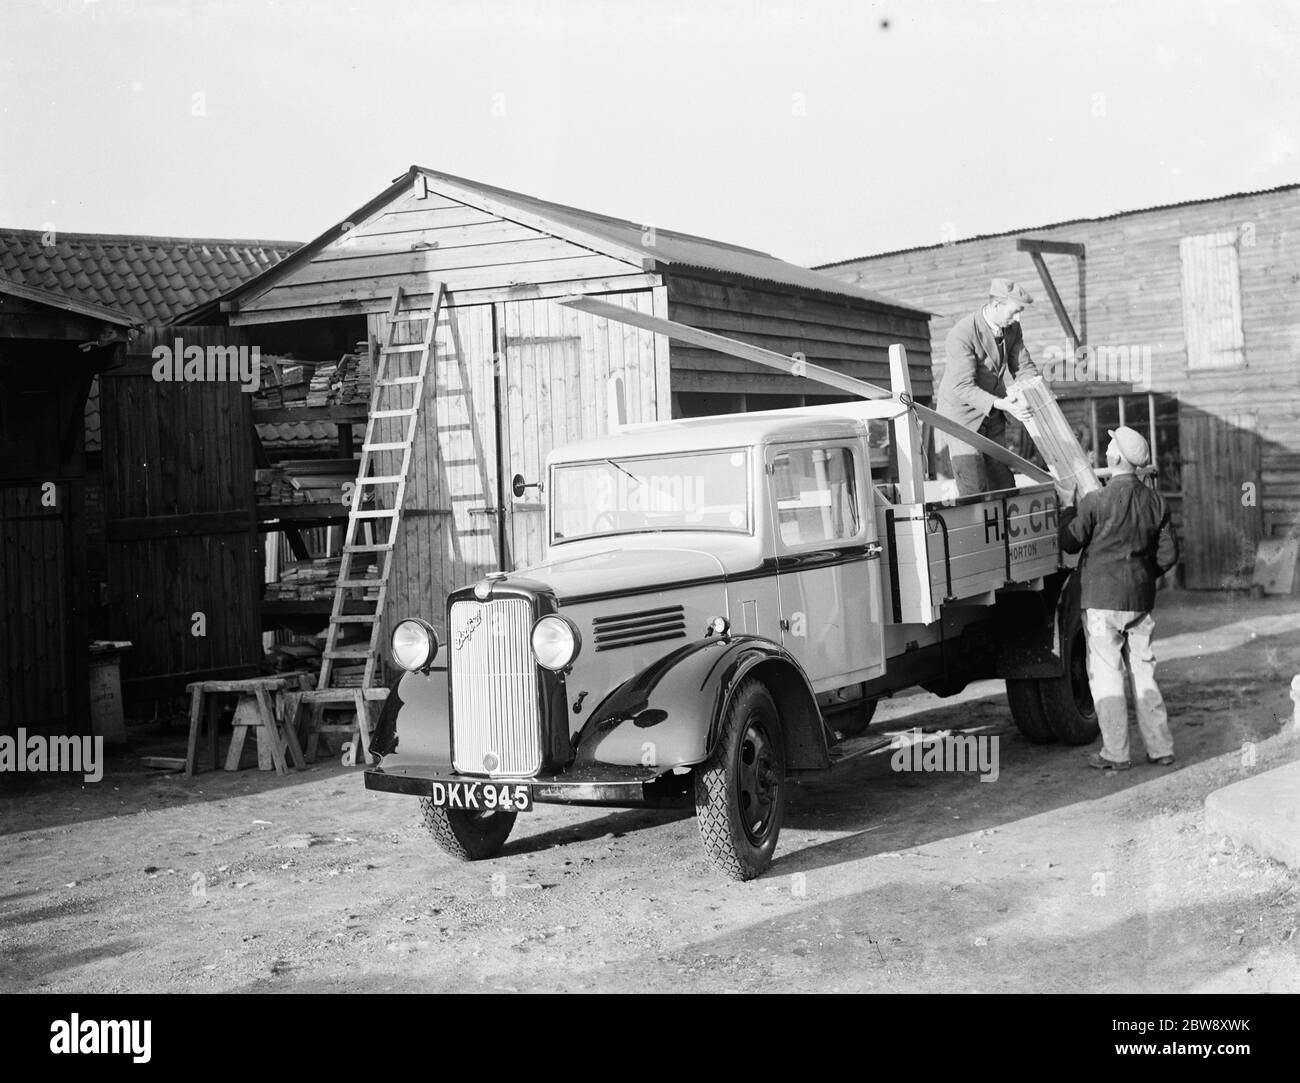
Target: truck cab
{"x": 721, "y": 603}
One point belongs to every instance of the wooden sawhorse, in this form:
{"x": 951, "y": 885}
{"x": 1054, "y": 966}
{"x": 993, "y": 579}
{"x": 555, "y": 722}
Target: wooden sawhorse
{"x": 258, "y": 709}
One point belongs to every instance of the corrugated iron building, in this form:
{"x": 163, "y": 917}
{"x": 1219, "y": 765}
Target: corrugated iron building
{"x": 1191, "y": 318}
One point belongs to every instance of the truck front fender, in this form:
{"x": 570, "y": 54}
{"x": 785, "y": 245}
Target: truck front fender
{"x": 669, "y": 715}
{"x": 414, "y": 726}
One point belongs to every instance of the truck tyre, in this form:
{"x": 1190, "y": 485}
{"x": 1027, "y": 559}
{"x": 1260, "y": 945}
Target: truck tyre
{"x": 1067, "y": 700}
{"x": 1027, "y": 711}
{"x": 467, "y": 835}
{"x": 740, "y": 790}
{"x": 855, "y": 720}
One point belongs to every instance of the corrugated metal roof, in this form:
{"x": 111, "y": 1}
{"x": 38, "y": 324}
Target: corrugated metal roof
{"x": 1058, "y": 225}
{"x": 683, "y": 250}
{"x": 150, "y": 278}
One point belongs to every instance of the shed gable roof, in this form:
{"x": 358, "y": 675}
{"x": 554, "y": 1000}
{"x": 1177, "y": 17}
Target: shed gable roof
{"x": 641, "y": 247}
{"x": 669, "y": 247}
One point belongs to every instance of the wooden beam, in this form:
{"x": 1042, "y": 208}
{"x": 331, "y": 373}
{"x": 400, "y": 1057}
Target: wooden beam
{"x": 1051, "y": 248}
{"x": 522, "y": 292}
{"x": 163, "y": 685}
{"x": 907, "y": 437}
{"x": 178, "y": 526}
{"x": 797, "y": 367}
{"x": 1057, "y": 304}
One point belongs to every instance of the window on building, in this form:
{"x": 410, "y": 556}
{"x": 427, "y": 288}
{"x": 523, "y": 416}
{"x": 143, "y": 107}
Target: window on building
{"x": 1212, "y": 301}
{"x": 816, "y": 496}
{"x": 1154, "y": 416}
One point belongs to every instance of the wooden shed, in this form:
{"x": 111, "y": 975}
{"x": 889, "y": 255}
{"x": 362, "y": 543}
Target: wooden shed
{"x": 516, "y": 373}
{"x": 165, "y": 528}
{"x": 51, "y": 347}
{"x": 1180, "y": 321}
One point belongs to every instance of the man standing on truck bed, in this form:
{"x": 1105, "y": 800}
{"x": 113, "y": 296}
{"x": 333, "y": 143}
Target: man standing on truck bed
{"x": 1127, "y": 541}
{"x": 981, "y": 349}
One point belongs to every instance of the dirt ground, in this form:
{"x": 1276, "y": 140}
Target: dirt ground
{"x": 1053, "y": 878}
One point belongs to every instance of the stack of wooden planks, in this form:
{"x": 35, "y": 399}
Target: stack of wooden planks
{"x": 1054, "y": 438}
{"x": 342, "y": 382}
{"x": 305, "y": 581}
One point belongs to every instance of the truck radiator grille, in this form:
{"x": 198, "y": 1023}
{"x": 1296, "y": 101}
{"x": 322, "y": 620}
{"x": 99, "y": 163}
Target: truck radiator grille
{"x": 631, "y": 629}
{"x": 494, "y": 692}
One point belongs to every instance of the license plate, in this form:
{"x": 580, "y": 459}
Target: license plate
{"x": 482, "y": 796}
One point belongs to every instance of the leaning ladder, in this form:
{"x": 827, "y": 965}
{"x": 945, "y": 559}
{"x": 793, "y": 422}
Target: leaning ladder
{"x": 385, "y": 403}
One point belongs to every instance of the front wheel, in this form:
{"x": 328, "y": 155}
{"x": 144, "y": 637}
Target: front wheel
{"x": 468, "y": 835}
{"x": 740, "y": 791}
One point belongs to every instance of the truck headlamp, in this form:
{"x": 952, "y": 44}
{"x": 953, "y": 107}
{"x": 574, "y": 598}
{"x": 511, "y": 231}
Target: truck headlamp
{"x": 556, "y": 642}
{"x": 414, "y": 644}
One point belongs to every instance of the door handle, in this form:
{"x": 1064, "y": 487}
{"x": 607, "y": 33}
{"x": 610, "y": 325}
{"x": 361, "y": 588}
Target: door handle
{"x": 485, "y": 511}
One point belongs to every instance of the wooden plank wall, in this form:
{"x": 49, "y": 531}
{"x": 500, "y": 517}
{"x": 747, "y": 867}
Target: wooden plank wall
{"x": 1134, "y": 298}
{"x": 850, "y": 338}
{"x": 44, "y": 628}
{"x": 35, "y": 677}
{"x": 559, "y": 365}
{"x": 1219, "y": 455}
{"x": 180, "y": 522}
{"x": 417, "y": 238}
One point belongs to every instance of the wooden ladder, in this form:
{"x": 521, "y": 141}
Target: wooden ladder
{"x": 385, "y": 403}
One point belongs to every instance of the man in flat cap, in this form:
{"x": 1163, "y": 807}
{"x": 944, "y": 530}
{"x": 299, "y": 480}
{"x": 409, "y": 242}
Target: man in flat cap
{"x": 1127, "y": 541}
{"x": 982, "y": 349}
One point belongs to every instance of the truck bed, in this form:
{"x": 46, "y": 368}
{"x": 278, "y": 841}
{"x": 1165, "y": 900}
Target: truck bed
{"x": 963, "y": 549}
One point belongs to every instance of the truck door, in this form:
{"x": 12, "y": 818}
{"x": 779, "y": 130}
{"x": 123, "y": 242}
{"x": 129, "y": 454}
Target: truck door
{"x": 827, "y": 561}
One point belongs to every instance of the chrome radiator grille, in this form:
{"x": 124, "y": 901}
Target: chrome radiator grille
{"x": 494, "y": 691}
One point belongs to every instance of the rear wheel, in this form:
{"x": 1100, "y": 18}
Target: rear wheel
{"x": 1027, "y": 711}
{"x": 740, "y": 791}
{"x": 468, "y": 835}
{"x": 1067, "y": 699}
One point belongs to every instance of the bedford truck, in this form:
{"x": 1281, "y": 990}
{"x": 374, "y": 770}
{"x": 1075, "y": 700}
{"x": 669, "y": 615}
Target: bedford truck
{"x": 721, "y": 605}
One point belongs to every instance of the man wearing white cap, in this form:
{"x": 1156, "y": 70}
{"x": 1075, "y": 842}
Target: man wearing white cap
{"x": 1124, "y": 533}
{"x": 981, "y": 350}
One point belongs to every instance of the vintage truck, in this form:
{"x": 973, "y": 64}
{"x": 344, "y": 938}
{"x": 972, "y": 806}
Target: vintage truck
{"x": 722, "y": 602}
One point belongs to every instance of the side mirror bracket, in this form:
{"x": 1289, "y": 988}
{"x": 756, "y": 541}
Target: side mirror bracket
{"x": 518, "y": 486}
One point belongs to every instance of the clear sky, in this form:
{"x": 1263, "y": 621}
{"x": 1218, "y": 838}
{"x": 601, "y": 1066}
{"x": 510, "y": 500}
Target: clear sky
{"x": 813, "y": 129}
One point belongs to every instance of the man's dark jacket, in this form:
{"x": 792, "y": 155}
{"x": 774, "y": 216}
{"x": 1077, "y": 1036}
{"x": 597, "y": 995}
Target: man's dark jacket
{"x": 976, "y": 369}
{"x": 1127, "y": 540}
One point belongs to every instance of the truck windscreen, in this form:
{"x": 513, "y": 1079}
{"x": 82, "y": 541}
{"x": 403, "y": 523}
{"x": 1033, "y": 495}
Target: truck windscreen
{"x": 700, "y": 491}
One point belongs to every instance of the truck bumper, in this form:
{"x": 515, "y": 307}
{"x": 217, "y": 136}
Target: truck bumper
{"x": 613, "y": 787}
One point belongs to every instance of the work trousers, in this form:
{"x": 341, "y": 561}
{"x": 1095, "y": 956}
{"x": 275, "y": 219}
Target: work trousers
{"x": 978, "y": 473}
{"x": 1120, "y": 639}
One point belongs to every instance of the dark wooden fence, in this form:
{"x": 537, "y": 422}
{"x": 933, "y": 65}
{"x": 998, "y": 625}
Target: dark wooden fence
{"x": 183, "y": 549}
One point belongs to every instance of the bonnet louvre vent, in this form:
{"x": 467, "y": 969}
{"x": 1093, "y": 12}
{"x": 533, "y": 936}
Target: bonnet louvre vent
{"x": 646, "y": 626}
